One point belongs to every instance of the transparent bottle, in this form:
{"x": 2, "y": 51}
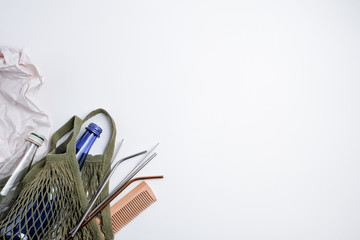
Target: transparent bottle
{"x": 40, "y": 216}
{"x": 10, "y": 192}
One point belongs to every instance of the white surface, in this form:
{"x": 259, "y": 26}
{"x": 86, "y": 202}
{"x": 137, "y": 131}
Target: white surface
{"x": 256, "y": 106}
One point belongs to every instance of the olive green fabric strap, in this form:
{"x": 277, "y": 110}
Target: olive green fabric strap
{"x": 109, "y": 150}
{"x": 75, "y": 124}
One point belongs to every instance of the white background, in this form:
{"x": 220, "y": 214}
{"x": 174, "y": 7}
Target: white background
{"x": 256, "y": 105}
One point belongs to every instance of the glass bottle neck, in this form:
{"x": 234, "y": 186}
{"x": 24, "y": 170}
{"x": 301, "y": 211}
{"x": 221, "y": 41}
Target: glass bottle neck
{"x": 83, "y": 146}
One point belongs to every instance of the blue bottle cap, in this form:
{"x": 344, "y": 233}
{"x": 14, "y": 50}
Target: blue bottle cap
{"x": 94, "y": 129}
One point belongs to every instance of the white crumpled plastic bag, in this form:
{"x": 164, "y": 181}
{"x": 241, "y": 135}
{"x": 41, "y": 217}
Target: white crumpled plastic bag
{"x": 19, "y": 116}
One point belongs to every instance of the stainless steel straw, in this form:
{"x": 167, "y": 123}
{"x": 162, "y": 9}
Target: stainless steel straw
{"x": 132, "y": 173}
{"x": 117, "y": 149}
{"x": 102, "y": 206}
{"x": 101, "y": 187}
{"x": 123, "y": 182}
{"x": 107, "y": 177}
{"x": 136, "y": 168}
{"x": 108, "y": 171}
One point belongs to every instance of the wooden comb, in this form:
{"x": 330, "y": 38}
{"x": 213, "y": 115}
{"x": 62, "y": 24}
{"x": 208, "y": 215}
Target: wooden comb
{"x": 114, "y": 195}
{"x": 131, "y": 205}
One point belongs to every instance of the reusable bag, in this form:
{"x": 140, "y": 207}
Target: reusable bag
{"x": 54, "y": 194}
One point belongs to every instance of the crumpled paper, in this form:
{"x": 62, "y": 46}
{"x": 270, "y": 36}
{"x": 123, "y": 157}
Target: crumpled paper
{"x": 19, "y": 116}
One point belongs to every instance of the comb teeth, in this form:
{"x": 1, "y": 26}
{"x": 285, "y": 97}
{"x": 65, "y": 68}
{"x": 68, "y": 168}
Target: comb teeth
{"x": 131, "y": 205}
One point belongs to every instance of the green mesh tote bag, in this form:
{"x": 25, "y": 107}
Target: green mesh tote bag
{"x": 54, "y": 193}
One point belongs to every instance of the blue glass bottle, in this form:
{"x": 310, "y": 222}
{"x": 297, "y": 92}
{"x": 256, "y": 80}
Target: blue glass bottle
{"x": 44, "y": 212}
{"x": 85, "y": 142}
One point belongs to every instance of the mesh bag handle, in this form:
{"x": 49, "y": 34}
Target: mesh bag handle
{"x": 75, "y": 124}
{"x": 109, "y": 150}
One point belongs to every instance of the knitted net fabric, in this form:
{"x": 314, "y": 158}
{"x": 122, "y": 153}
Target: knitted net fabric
{"x": 49, "y": 206}
{"x": 54, "y": 194}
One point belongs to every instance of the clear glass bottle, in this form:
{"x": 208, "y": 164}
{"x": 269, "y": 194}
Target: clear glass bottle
{"x": 9, "y": 192}
{"x": 40, "y": 216}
